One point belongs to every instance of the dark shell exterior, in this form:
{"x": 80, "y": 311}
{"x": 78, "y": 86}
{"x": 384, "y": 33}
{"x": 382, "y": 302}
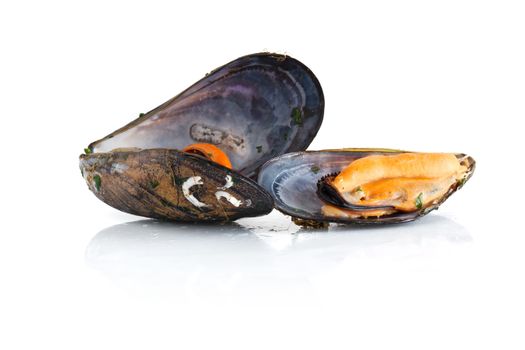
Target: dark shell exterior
{"x": 152, "y": 183}
{"x": 292, "y": 179}
{"x": 254, "y": 108}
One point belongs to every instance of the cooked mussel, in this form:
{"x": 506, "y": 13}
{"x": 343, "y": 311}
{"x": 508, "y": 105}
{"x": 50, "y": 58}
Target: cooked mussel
{"x": 193, "y": 157}
{"x": 363, "y": 185}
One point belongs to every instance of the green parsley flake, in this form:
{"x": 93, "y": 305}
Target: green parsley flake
{"x": 259, "y": 149}
{"x": 153, "y": 184}
{"x": 315, "y": 169}
{"x": 98, "y": 181}
{"x": 88, "y": 150}
{"x": 419, "y": 201}
{"x": 179, "y": 180}
{"x": 297, "y": 116}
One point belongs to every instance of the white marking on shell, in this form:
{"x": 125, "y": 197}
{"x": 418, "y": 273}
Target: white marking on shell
{"x": 208, "y": 134}
{"x": 229, "y": 183}
{"x": 222, "y": 194}
{"x": 118, "y": 168}
{"x": 189, "y": 183}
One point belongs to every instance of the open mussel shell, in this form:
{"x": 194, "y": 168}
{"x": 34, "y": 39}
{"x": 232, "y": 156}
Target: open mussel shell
{"x": 292, "y": 180}
{"x": 254, "y": 108}
{"x": 172, "y": 185}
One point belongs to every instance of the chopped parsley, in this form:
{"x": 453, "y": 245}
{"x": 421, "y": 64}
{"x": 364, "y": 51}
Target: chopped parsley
{"x": 179, "y": 180}
{"x": 153, "y": 184}
{"x": 315, "y": 169}
{"x": 141, "y": 115}
{"x": 461, "y": 182}
{"x": 88, "y": 150}
{"x": 98, "y": 181}
{"x": 419, "y": 201}
{"x": 297, "y": 116}
{"x": 259, "y": 149}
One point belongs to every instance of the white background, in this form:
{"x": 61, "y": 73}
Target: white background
{"x": 442, "y": 76}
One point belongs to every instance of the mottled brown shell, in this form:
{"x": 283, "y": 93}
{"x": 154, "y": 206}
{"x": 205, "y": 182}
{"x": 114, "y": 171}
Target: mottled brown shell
{"x": 151, "y": 183}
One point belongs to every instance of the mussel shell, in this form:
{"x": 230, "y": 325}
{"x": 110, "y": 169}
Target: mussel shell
{"x": 150, "y": 183}
{"x": 292, "y": 179}
{"x": 254, "y": 108}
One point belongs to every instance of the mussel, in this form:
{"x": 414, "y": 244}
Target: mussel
{"x": 363, "y": 186}
{"x": 195, "y": 157}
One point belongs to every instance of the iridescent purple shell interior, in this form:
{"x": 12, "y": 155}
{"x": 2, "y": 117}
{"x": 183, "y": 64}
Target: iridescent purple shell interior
{"x": 254, "y": 108}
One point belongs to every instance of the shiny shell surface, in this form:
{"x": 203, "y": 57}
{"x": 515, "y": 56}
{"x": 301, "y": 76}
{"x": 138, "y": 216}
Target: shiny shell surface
{"x": 171, "y": 185}
{"x": 254, "y": 108}
{"x": 292, "y": 179}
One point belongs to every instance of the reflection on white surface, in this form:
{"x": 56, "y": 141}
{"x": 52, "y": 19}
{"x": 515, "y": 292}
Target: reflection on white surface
{"x": 263, "y": 256}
